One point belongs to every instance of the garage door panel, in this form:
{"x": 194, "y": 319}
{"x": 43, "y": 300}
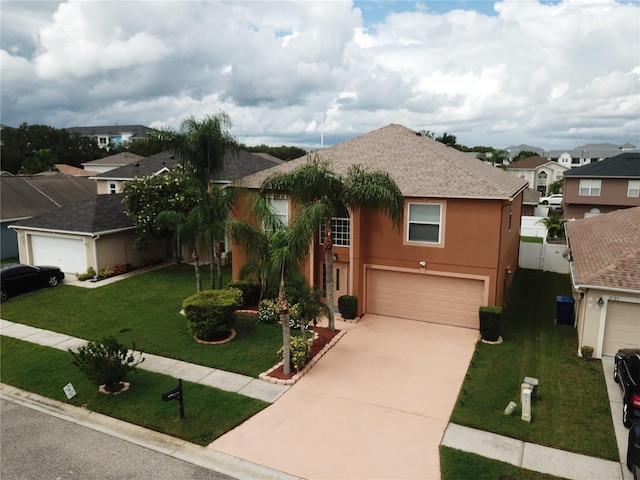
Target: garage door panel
{"x": 69, "y": 254}
{"x": 622, "y": 329}
{"x": 432, "y": 298}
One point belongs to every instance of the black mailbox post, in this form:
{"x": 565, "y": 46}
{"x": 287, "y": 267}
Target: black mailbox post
{"x": 175, "y": 394}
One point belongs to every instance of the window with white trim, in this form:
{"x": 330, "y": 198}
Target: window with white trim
{"x": 633, "y": 190}
{"x": 280, "y": 207}
{"x": 341, "y": 230}
{"x": 113, "y": 187}
{"x": 425, "y": 221}
{"x": 590, "y": 187}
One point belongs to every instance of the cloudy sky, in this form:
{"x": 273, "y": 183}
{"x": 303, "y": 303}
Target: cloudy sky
{"x": 551, "y": 74}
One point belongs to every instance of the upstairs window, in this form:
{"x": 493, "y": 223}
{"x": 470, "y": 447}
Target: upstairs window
{"x": 280, "y": 207}
{"x": 633, "y": 190}
{"x": 425, "y": 221}
{"x": 341, "y": 228}
{"x": 590, "y": 188}
{"x": 113, "y": 187}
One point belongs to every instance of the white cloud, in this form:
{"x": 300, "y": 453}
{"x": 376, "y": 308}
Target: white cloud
{"x": 544, "y": 74}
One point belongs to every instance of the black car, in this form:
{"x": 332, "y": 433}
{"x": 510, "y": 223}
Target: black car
{"x": 626, "y": 372}
{"x": 633, "y": 451}
{"x": 16, "y": 278}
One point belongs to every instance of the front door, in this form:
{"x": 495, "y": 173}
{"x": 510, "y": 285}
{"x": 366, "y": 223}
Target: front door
{"x": 340, "y": 280}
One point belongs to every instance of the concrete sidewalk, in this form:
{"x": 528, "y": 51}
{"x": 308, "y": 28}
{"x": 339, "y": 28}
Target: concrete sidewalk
{"x": 212, "y": 377}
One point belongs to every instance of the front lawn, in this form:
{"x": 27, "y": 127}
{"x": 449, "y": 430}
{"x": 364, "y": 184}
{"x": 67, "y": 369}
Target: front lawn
{"x": 145, "y": 309}
{"x": 209, "y": 412}
{"x": 572, "y": 409}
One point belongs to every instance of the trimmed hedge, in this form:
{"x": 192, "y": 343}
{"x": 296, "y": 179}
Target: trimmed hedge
{"x": 250, "y": 291}
{"x": 490, "y": 323}
{"x": 348, "y": 306}
{"x": 211, "y": 314}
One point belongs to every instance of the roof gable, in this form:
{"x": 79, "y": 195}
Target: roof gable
{"x": 530, "y": 163}
{"x": 421, "y": 166}
{"x": 606, "y": 249}
{"x": 623, "y": 165}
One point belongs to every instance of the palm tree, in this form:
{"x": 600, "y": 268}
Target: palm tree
{"x": 322, "y": 193}
{"x": 554, "y": 225}
{"x": 203, "y": 146}
{"x": 280, "y": 251}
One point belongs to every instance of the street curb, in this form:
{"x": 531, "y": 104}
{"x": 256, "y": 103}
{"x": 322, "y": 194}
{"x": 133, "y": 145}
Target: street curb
{"x": 159, "y": 442}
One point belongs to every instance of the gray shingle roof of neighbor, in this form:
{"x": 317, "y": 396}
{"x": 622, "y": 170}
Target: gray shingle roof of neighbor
{"x": 28, "y": 195}
{"x": 624, "y": 165}
{"x": 138, "y": 130}
{"x": 421, "y": 167}
{"x": 96, "y": 215}
{"x": 119, "y": 159}
{"x": 235, "y": 166}
{"x": 606, "y": 249}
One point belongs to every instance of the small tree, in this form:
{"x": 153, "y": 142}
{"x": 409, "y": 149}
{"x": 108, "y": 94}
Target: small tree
{"x": 554, "y": 225}
{"x": 106, "y": 363}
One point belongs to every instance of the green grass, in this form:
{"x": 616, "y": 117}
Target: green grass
{"x": 458, "y": 465}
{"x": 145, "y": 309}
{"x": 531, "y": 239}
{"x": 9, "y": 260}
{"x": 209, "y": 412}
{"x": 572, "y": 409}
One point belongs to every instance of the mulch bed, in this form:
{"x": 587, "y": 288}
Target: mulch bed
{"x": 324, "y": 336}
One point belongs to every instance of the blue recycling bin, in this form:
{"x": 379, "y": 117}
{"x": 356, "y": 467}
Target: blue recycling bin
{"x": 565, "y": 310}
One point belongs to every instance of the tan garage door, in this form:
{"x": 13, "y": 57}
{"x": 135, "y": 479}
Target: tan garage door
{"x": 429, "y": 298}
{"x": 622, "y": 329}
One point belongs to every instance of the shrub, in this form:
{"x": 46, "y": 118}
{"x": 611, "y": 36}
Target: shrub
{"x": 490, "y": 323}
{"x": 106, "y": 363}
{"x": 119, "y": 269}
{"x": 300, "y": 349}
{"x": 268, "y": 311}
{"x": 250, "y": 291}
{"x": 587, "y": 352}
{"x": 105, "y": 272}
{"x": 212, "y": 313}
{"x": 90, "y": 274}
{"x": 348, "y": 306}
{"x": 297, "y": 318}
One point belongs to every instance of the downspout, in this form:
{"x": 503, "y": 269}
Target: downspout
{"x": 95, "y": 238}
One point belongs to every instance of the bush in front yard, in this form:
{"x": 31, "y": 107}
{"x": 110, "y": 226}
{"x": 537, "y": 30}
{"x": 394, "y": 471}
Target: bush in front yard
{"x": 300, "y": 349}
{"x": 490, "y": 323}
{"x": 268, "y": 311}
{"x": 211, "y": 314}
{"x": 348, "y": 306}
{"x": 106, "y": 363}
{"x": 250, "y": 291}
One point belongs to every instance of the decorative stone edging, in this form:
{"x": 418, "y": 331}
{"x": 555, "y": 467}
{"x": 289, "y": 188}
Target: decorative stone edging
{"x": 290, "y": 381}
{"x": 125, "y": 387}
{"x": 219, "y": 342}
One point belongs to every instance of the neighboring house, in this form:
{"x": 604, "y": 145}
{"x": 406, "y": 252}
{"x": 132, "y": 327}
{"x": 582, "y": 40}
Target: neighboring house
{"x": 236, "y": 166}
{"x": 95, "y": 232}
{"x": 538, "y": 171}
{"x": 458, "y": 244}
{"x": 24, "y": 196}
{"x": 73, "y": 171}
{"x": 112, "y": 162}
{"x": 530, "y": 202}
{"x": 605, "y": 272}
{"x": 515, "y": 150}
{"x": 587, "y": 154}
{"x": 113, "y": 135}
{"x": 602, "y": 187}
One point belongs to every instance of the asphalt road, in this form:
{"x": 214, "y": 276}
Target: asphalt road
{"x": 34, "y": 446}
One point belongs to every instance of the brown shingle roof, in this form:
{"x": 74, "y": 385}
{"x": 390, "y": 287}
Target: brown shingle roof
{"x": 529, "y": 163}
{"x": 421, "y": 167}
{"x": 606, "y": 249}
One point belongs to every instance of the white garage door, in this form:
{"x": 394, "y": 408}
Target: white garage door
{"x": 69, "y": 254}
{"x": 622, "y": 329}
{"x": 429, "y": 298}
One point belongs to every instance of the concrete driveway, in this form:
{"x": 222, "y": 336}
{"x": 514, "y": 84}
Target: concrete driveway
{"x": 374, "y": 407}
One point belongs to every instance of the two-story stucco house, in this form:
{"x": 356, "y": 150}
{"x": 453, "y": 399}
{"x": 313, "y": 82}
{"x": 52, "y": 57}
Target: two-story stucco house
{"x": 602, "y": 187}
{"x": 461, "y": 256}
{"x": 540, "y": 172}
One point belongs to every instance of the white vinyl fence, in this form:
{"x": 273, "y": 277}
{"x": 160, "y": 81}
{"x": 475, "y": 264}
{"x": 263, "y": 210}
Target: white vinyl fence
{"x": 550, "y": 257}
